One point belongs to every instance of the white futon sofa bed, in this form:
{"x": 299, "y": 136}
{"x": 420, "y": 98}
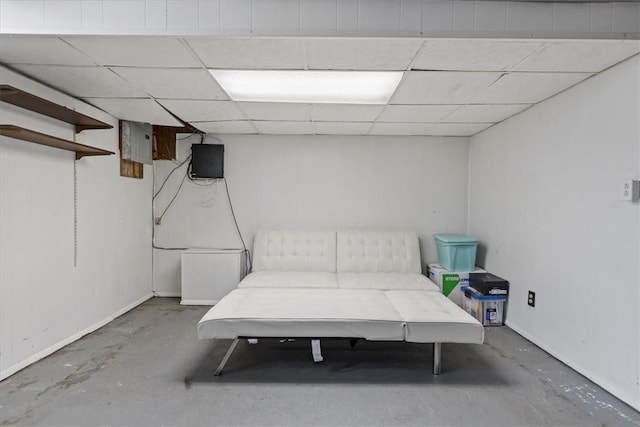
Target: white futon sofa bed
{"x": 347, "y": 284}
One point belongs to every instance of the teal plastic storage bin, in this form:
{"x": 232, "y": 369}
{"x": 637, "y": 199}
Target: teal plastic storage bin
{"x": 456, "y": 252}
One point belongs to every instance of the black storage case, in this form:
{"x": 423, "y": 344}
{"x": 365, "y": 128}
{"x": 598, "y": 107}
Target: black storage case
{"x": 488, "y": 284}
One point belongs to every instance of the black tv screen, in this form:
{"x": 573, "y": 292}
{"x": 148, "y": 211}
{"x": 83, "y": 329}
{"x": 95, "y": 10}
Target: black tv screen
{"x": 207, "y": 161}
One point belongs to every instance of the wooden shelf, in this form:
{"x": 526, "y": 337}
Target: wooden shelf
{"x": 23, "y": 134}
{"x": 31, "y": 102}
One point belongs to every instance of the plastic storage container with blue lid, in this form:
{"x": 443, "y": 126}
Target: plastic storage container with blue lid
{"x": 487, "y": 309}
{"x": 456, "y": 252}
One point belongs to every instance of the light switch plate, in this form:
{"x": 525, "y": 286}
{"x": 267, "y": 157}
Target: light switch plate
{"x": 630, "y": 190}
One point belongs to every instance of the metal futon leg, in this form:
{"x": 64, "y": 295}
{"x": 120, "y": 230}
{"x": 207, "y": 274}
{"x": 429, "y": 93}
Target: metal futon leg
{"x": 226, "y": 357}
{"x": 437, "y": 349}
{"x": 316, "y": 351}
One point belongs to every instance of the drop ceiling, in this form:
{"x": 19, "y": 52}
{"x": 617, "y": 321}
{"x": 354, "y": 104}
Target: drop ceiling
{"x": 451, "y": 87}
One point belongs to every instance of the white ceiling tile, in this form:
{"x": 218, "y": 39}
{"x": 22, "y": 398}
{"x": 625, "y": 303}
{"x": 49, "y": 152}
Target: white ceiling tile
{"x": 138, "y": 110}
{"x": 485, "y": 113}
{"x": 341, "y": 128}
{"x": 345, "y": 112}
{"x": 202, "y": 111}
{"x": 435, "y": 129}
{"x": 523, "y": 88}
{"x": 361, "y": 54}
{"x": 243, "y": 127}
{"x": 379, "y": 128}
{"x": 473, "y": 55}
{"x": 249, "y": 53}
{"x": 442, "y": 87}
{"x": 284, "y": 128}
{"x": 40, "y": 50}
{"x": 580, "y": 56}
{"x": 416, "y": 113}
{"x": 83, "y": 82}
{"x": 457, "y": 129}
{"x": 464, "y": 101}
{"x": 173, "y": 83}
{"x": 275, "y": 111}
{"x": 135, "y": 51}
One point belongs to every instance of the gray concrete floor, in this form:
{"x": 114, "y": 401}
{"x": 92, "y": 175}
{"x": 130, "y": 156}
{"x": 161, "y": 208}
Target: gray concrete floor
{"x": 148, "y": 368}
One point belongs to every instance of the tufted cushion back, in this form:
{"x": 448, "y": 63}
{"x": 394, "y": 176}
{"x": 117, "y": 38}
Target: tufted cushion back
{"x": 378, "y": 251}
{"x": 294, "y": 251}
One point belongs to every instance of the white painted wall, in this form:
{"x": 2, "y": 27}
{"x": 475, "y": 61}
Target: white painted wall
{"x": 45, "y": 300}
{"x": 416, "y": 18}
{"x": 545, "y": 202}
{"x": 313, "y": 183}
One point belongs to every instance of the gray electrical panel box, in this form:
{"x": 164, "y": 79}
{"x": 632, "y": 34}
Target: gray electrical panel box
{"x": 137, "y": 142}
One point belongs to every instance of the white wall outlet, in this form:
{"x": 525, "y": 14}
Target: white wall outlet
{"x": 630, "y": 190}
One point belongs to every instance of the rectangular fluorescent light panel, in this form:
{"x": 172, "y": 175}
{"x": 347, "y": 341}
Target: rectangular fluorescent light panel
{"x": 336, "y": 87}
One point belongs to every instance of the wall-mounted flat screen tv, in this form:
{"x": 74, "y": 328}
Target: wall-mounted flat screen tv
{"x": 207, "y": 161}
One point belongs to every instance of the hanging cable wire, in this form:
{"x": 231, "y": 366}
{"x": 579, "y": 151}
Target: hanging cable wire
{"x": 195, "y": 132}
{"x": 153, "y": 232}
{"x": 169, "y": 176}
{"x": 179, "y": 164}
{"x": 248, "y": 263}
{"x": 174, "y": 197}
{"x": 195, "y": 181}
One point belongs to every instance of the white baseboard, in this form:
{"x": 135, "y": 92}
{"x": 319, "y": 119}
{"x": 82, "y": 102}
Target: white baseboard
{"x": 198, "y": 302}
{"x": 626, "y": 398}
{"x": 57, "y": 346}
{"x": 168, "y": 294}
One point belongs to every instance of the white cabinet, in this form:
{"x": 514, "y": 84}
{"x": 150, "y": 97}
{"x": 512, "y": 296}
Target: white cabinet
{"x": 210, "y": 274}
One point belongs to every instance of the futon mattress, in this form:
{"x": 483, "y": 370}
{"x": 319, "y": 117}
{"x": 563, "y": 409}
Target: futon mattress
{"x": 289, "y": 279}
{"x": 386, "y": 281}
{"x": 432, "y": 317}
{"x": 312, "y": 313}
